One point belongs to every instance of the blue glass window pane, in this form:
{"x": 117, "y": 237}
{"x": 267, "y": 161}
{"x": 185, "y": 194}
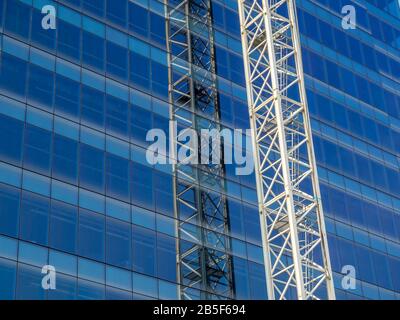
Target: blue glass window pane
{"x": 63, "y": 226}
{"x": 388, "y": 225}
{"x": 93, "y": 51}
{"x": 327, "y": 34}
{"x": 363, "y": 90}
{"x": 117, "y": 116}
{"x": 376, "y": 27}
{"x": 92, "y": 106}
{"x": 354, "y": 208}
{"x": 94, "y": 6}
{"x": 383, "y": 63}
{"x": 363, "y": 168}
{"x": 116, "y": 294}
{"x": 9, "y": 210}
{"x": 166, "y": 256}
{"x": 88, "y": 290}
{"x": 29, "y": 283}
{"x": 236, "y": 219}
{"x": 378, "y": 175}
{"x": 117, "y": 183}
{"x": 116, "y": 11}
{"x": 34, "y": 218}
{"x": 41, "y": 87}
{"x": 317, "y": 66}
{"x": 346, "y": 252}
{"x": 331, "y": 154}
{"x": 257, "y": 281}
{"x": 333, "y": 74}
{"x": 226, "y": 109}
{"x": 138, "y": 19}
{"x": 117, "y": 60}
{"x": 167, "y": 290}
{"x": 144, "y": 284}
{"x": 369, "y": 56}
{"x": 347, "y": 161}
{"x": 141, "y": 123}
{"x": 37, "y": 148}
{"x": 144, "y": 250}
{"x": 232, "y": 22}
{"x": 222, "y": 62}
{"x": 252, "y": 225}
{"x": 355, "y": 49}
{"x": 8, "y": 272}
{"x": 139, "y": 71}
{"x": 74, "y": 3}
{"x": 370, "y": 129}
{"x": 11, "y": 141}
{"x": 337, "y": 204}
{"x": 319, "y": 149}
{"x": 394, "y": 265}
{"x": 371, "y": 218}
{"x": 236, "y": 68}
{"x": 334, "y": 253}
{"x": 66, "y": 288}
{"x": 142, "y": 186}
{"x": 364, "y": 264}
{"x": 13, "y": 75}
{"x": 91, "y": 235}
{"x": 218, "y": 14}
{"x": 323, "y": 107}
{"x": 377, "y": 97}
{"x": 157, "y": 28}
{"x": 349, "y": 85}
{"x": 67, "y": 96}
{"x": 241, "y": 278}
{"x": 16, "y": 12}
{"x": 65, "y": 159}
{"x": 393, "y": 178}
{"x": 355, "y": 123}
{"x": 341, "y": 42}
{"x": 69, "y": 40}
{"x": 118, "y": 243}
{"x": 381, "y": 267}
{"x": 91, "y": 168}
{"x": 63, "y": 262}
{"x": 163, "y": 193}
{"x": 385, "y": 137}
{"x": 311, "y": 25}
{"x": 90, "y": 270}
{"x": 160, "y": 79}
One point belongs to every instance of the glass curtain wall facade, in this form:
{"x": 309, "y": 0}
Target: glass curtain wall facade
{"x": 76, "y": 190}
{"x": 353, "y": 84}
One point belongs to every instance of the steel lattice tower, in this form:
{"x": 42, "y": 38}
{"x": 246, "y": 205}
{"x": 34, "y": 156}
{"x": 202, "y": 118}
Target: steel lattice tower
{"x": 296, "y": 255}
{"x": 203, "y": 245}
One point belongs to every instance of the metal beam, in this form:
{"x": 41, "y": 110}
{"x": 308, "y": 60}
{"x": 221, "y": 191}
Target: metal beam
{"x": 296, "y": 255}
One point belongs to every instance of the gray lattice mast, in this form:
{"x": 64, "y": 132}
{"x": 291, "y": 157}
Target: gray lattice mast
{"x": 296, "y": 255}
{"x": 203, "y": 247}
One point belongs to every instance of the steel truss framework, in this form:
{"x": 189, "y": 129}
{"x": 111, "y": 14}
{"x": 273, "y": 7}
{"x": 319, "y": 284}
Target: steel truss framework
{"x": 203, "y": 247}
{"x": 296, "y": 255}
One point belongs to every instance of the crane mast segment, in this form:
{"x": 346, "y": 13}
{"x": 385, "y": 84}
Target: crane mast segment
{"x": 296, "y": 255}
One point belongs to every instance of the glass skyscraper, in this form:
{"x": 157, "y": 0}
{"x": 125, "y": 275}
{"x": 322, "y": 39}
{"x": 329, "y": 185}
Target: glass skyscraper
{"x": 77, "y": 192}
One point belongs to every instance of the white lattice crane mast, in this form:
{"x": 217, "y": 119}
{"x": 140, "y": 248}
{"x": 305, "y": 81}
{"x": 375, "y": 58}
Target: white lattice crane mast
{"x": 296, "y": 256}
